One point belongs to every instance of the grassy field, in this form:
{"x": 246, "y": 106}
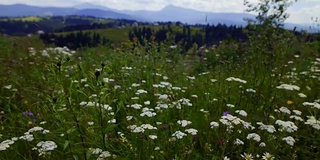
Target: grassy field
{"x": 99, "y": 103}
{"x": 39, "y": 18}
{"x": 28, "y": 18}
{"x": 118, "y": 35}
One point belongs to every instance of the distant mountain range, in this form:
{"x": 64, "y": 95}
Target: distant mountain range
{"x": 169, "y": 13}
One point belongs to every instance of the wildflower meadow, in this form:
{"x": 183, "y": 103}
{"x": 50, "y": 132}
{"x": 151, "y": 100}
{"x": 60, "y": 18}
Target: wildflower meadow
{"x": 252, "y": 102}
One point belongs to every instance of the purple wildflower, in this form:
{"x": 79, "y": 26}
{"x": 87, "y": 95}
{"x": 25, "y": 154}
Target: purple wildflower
{"x": 226, "y": 113}
{"x": 30, "y": 114}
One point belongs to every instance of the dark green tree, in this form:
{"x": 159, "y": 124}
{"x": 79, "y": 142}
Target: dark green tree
{"x": 265, "y": 32}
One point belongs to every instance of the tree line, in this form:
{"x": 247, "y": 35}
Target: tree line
{"x": 75, "y": 40}
{"x": 189, "y": 35}
{"x": 20, "y": 27}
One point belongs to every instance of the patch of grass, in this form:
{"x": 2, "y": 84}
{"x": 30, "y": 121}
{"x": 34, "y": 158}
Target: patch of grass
{"x": 102, "y": 103}
{"x": 29, "y": 18}
{"x": 121, "y": 34}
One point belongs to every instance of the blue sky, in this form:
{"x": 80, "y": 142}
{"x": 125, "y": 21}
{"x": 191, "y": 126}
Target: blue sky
{"x": 300, "y": 12}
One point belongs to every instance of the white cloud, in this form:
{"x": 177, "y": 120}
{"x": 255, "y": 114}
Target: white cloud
{"x": 303, "y": 12}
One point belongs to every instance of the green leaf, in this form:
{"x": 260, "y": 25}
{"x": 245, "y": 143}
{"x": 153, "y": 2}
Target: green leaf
{"x": 66, "y": 143}
{"x": 70, "y": 130}
{"x": 89, "y": 152}
{"x": 75, "y": 157}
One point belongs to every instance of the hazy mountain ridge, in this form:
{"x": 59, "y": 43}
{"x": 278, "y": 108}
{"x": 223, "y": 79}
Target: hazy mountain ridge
{"x": 168, "y": 13}
{"x": 102, "y": 13}
{"x": 190, "y": 16}
{"x": 28, "y": 10}
{"x": 92, "y": 6}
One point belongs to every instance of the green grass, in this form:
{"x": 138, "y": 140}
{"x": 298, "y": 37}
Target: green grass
{"x": 113, "y": 34}
{"x": 101, "y": 98}
{"x": 119, "y": 35}
{"x": 38, "y": 19}
{"x": 31, "y": 18}
{"x": 27, "y": 18}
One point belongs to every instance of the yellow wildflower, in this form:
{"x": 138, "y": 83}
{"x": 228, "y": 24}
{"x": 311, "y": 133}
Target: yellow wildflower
{"x": 289, "y": 102}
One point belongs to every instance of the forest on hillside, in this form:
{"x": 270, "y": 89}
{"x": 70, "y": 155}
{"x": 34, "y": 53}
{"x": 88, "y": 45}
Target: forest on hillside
{"x": 81, "y": 31}
{"x": 18, "y": 26}
{"x": 186, "y": 36}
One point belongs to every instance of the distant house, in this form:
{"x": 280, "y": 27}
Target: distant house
{"x": 40, "y": 32}
{"x": 156, "y": 24}
{"x": 135, "y": 24}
